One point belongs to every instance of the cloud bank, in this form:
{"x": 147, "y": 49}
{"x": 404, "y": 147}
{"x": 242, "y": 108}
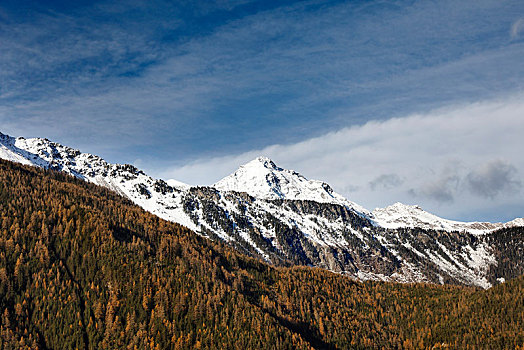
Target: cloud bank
{"x": 456, "y": 162}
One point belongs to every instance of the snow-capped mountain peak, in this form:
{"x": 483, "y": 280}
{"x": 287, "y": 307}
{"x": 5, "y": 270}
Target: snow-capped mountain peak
{"x": 263, "y": 161}
{"x": 262, "y": 178}
{"x": 402, "y": 215}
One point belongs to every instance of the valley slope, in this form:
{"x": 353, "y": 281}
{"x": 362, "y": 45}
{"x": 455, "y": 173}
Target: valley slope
{"x": 82, "y": 267}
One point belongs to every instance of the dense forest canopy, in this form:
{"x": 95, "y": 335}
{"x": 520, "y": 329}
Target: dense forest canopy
{"x": 81, "y": 267}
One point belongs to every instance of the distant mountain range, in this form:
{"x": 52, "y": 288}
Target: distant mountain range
{"x": 284, "y": 218}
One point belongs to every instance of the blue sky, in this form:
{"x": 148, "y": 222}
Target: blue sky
{"x": 174, "y": 87}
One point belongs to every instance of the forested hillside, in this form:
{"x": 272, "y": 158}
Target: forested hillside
{"x": 81, "y": 267}
{"x": 281, "y": 217}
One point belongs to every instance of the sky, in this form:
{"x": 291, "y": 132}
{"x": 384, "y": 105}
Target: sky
{"x": 420, "y": 102}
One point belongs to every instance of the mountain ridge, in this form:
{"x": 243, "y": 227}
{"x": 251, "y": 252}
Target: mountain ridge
{"x": 46, "y": 152}
{"x": 400, "y": 215}
{"x": 267, "y": 211}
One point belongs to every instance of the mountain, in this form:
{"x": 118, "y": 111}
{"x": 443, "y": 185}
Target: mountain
{"x": 155, "y": 196}
{"x": 278, "y": 215}
{"x": 263, "y": 179}
{"x": 84, "y": 268}
{"x": 400, "y": 215}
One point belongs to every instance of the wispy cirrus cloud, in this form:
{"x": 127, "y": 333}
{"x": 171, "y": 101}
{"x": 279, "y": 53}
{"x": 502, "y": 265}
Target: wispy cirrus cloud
{"x": 516, "y": 28}
{"x": 187, "y": 80}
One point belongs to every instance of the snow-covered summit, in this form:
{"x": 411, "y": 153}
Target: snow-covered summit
{"x": 401, "y": 215}
{"x": 262, "y": 178}
{"x": 178, "y": 184}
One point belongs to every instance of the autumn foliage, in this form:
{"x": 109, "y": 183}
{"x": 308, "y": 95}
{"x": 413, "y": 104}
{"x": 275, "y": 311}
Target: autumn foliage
{"x": 81, "y": 267}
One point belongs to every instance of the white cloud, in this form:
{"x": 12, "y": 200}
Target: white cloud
{"x": 448, "y": 160}
{"x": 516, "y": 28}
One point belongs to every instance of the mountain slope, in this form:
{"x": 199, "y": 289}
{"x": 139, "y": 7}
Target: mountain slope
{"x": 283, "y": 218}
{"x": 153, "y": 195}
{"x": 81, "y": 267}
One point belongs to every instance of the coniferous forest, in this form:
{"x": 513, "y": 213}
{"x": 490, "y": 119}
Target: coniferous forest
{"x": 81, "y": 267}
